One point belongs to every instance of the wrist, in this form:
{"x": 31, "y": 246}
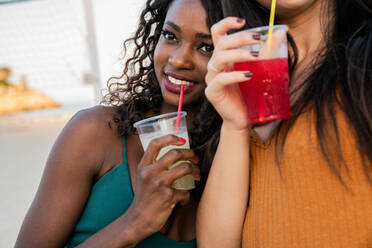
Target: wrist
{"x": 134, "y": 228}
{"x": 233, "y": 130}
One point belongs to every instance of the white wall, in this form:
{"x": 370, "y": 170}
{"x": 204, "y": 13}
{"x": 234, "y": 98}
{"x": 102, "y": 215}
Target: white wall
{"x": 116, "y": 20}
{"x": 46, "y": 40}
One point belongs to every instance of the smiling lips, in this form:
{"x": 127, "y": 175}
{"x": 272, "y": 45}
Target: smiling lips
{"x": 173, "y": 84}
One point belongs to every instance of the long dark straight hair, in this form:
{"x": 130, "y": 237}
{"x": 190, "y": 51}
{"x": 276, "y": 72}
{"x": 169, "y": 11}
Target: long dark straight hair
{"x": 341, "y": 77}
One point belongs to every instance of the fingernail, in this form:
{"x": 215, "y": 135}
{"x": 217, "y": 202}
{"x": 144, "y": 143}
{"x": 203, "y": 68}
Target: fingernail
{"x": 255, "y": 53}
{"x": 248, "y": 74}
{"x": 239, "y": 20}
{"x": 256, "y": 36}
{"x": 197, "y": 159}
{"x": 182, "y": 140}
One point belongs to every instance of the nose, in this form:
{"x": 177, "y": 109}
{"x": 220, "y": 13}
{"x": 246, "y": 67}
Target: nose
{"x": 181, "y": 57}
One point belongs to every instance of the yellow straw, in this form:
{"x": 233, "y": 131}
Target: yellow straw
{"x": 271, "y": 22}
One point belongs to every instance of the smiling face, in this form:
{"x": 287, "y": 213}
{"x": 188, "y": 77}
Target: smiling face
{"x": 182, "y": 52}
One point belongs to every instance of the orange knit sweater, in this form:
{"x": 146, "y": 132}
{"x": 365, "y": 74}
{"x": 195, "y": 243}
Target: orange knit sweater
{"x": 306, "y": 205}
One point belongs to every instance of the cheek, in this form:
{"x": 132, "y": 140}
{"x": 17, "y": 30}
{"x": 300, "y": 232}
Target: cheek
{"x": 160, "y": 57}
{"x": 203, "y": 63}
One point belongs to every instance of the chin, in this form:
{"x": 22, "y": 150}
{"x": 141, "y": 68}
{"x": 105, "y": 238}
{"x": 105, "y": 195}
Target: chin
{"x": 170, "y": 98}
{"x": 288, "y": 7}
{"x": 171, "y": 101}
{"x": 188, "y": 99}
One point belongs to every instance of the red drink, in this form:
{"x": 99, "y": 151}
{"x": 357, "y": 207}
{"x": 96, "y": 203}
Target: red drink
{"x": 266, "y": 93}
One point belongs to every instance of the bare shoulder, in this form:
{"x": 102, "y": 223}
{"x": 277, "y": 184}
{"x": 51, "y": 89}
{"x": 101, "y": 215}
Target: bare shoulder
{"x": 93, "y": 119}
{"x": 92, "y": 123}
{"x": 88, "y": 133}
{"x": 74, "y": 163}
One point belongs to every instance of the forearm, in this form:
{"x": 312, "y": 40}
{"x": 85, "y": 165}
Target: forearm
{"x": 222, "y": 207}
{"x": 125, "y": 232}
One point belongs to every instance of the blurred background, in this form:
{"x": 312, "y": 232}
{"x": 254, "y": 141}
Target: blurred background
{"x": 55, "y": 58}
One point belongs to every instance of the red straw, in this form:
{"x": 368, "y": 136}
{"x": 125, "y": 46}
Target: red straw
{"x": 179, "y": 108}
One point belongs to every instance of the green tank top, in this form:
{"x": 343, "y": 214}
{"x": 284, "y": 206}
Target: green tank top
{"x": 110, "y": 197}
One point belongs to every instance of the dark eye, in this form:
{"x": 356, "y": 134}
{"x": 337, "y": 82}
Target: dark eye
{"x": 206, "y": 48}
{"x": 168, "y": 35}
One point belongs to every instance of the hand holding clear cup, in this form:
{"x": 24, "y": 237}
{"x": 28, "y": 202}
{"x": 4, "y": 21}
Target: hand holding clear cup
{"x": 162, "y": 125}
{"x": 153, "y": 191}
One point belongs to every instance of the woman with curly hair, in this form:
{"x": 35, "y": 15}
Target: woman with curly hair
{"x": 99, "y": 188}
{"x": 305, "y": 181}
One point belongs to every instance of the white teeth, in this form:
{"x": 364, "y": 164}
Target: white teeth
{"x": 179, "y": 82}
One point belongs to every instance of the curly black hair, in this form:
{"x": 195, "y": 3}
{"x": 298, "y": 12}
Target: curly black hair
{"x": 137, "y": 90}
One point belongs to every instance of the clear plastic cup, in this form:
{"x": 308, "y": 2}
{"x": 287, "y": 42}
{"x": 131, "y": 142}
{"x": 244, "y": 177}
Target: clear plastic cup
{"x": 266, "y": 94}
{"x": 161, "y": 125}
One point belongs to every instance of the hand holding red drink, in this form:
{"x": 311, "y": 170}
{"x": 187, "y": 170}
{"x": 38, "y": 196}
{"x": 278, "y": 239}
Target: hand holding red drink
{"x": 222, "y": 82}
{"x": 248, "y": 73}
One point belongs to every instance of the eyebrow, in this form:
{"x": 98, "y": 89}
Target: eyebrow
{"x": 197, "y": 35}
{"x": 203, "y": 36}
{"x": 173, "y": 25}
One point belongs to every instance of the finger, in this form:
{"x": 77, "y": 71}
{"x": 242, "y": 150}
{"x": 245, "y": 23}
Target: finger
{"x": 236, "y": 40}
{"x": 179, "y": 171}
{"x": 215, "y": 91}
{"x": 224, "y": 79}
{"x": 157, "y": 144}
{"x": 182, "y": 196}
{"x": 223, "y": 59}
{"x": 221, "y": 28}
{"x": 175, "y": 155}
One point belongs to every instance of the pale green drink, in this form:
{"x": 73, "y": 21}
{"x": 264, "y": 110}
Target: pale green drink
{"x": 162, "y": 125}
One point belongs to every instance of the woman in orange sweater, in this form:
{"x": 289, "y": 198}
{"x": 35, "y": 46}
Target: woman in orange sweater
{"x": 318, "y": 191}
